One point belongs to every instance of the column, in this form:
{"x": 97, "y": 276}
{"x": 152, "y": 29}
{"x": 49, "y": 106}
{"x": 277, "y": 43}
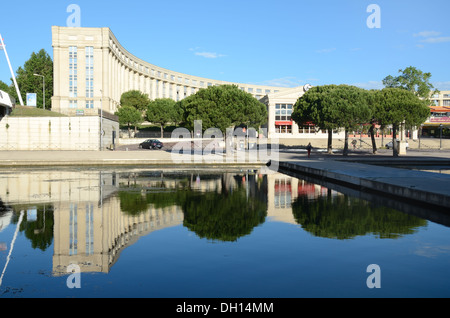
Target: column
{"x": 153, "y": 88}
{"x": 159, "y": 89}
{"x": 105, "y": 78}
{"x": 271, "y": 121}
{"x": 167, "y": 89}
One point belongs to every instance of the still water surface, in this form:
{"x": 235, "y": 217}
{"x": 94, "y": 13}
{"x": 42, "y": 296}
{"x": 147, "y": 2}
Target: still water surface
{"x": 210, "y": 233}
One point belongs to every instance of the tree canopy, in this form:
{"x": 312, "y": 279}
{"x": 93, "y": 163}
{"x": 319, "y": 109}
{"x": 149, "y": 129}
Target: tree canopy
{"x": 332, "y": 107}
{"x": 135, "y": 99}
{"x": 162, "y": 111}
{"x": 223, "y": 107}
{"x": 4, "y": 87}
{"x": 39, "y": 63}
{"x": 412, "y": 80}
{"x": 129, "y": 116}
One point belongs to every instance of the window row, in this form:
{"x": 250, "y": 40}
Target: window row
{"x": 89, "y": 104}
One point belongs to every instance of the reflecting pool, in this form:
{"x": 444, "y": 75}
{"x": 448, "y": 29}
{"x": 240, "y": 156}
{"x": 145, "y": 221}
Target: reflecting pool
{"x": 211, "y": 233}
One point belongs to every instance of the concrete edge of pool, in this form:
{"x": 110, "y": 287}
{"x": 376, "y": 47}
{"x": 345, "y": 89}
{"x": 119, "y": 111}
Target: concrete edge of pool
{"x": 419, "y": 186}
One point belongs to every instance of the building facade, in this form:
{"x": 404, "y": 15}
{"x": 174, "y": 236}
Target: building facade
{"x": 92, "y": 70}
{"x": 441, "y": 99}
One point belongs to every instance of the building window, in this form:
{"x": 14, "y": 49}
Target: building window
{"x": 446, "y": 102}
{"x": 89, "y": 104}
{"x": 73, "y": 230}
{"x": 73, "y": 104}
{"x": 283, "y": 194}
{"x": 73, "y": 71}
{"x": 283, "y": 112}
{"x": 89, "y": 229}
{"x": 89, "y": 72}
{"x": 283, "y": 129}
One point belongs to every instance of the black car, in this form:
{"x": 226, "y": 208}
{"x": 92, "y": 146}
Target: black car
{"x": 151, "y": 144}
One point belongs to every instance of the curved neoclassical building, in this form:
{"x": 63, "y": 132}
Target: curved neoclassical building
{"x": 92, "y": 70}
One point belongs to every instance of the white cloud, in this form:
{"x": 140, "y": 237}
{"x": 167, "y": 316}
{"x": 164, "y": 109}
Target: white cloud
{"x": 329, "y": 50}
{"x": 427, "y": 34}
{"x": 431, "y": 37}
{"x": 441, "y": 39}
{"x": 442, "y": 86}
{"x": 209, "y": 55}
{"x": 288, "y": 81}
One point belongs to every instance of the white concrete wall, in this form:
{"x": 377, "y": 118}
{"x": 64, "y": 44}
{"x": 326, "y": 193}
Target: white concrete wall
{"x": 55, "y": 133}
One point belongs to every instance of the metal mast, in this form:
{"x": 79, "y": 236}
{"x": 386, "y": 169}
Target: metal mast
{"x": 3, "y": 47}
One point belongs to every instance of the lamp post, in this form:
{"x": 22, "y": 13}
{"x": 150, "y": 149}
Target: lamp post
{"x": 43, "y": 89}
{"x": 420, "y": 134}
{"x": 440, "y": 137}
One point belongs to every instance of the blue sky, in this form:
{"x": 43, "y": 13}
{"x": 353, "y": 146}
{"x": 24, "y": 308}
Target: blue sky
{"x": 283, "y": 43}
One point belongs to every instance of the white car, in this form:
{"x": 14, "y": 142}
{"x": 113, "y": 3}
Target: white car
{"x": 389, "y": 145}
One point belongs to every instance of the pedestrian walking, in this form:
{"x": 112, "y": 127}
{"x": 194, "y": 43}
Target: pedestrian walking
{"x": 308, "y": 148}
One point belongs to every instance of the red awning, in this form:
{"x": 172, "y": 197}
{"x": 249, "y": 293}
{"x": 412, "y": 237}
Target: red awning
{"x": 283, "y": 123}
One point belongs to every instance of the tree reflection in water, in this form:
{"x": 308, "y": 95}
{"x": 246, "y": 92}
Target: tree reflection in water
{"x": 343, "y": 217}
{"x": 225, "y": 212}
{"x": 37, "y": 224}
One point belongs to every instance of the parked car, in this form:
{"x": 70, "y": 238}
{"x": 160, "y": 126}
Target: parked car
{"x": 151, "y": 144}
{"x": 389, "y": 145}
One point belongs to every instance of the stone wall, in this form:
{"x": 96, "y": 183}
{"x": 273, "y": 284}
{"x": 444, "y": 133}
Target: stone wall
{"x": 56, "y": 133}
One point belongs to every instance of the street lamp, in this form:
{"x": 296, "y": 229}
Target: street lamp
{"x": 440, "y": 137}
{"x": 43, "y": 89}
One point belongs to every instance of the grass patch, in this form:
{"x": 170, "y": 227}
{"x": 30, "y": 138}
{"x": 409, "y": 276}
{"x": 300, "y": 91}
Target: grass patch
{"x": 25, "y": 111}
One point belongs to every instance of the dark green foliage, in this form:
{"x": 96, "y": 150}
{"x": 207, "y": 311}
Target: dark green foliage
{"x": 4, "y": 87}
{"x": 162, "y": 111}
{"x": 343, "y": 217}
{"x": 333, "y": 107}
{"x": 223, "y": 107}
{"x": 224, "y": 217}
{"x": 215, "y": 215}
{"x": 412, "y": 80}
{"x": 135, "y": 99}
{"x": 395, "y": 106}
{"x": 129, "y": 116}
{"x": 39, "y": 63}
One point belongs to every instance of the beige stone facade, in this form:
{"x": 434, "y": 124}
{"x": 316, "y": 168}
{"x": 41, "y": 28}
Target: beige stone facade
{"x": 92, "y": 70}
{"x": 441, "y": 99}
{"x": 58, "y": 133}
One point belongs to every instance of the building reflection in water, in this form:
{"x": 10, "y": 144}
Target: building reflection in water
{"x": 91, "y": 215}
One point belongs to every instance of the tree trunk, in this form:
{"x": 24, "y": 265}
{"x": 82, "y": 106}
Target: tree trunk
{"x": 330, "y": 142}
{"x": 162, "y": 131}
{"x": 394, "y": 141}
{"x": 372, "y": 136}
{"x": 346, "y": 143}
